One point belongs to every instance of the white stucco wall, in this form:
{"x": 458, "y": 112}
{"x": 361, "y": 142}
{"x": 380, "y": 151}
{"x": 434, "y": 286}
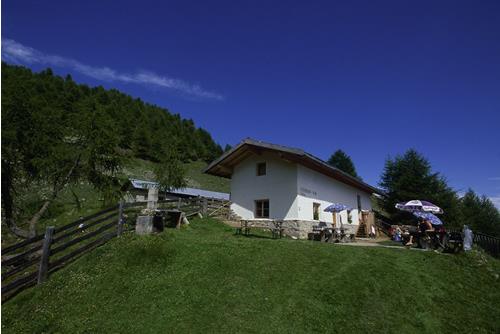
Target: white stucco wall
{"x": 279, "y": 186}
{"x": 314, "y": 187}
{"x": 291, "y": 190}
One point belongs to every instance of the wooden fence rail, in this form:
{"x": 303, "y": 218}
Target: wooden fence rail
{"x": 52, "y": 251}
{"x": 32, "y": 261}
{"x": 10, "y": 249}
{"x": 488, "y": 243}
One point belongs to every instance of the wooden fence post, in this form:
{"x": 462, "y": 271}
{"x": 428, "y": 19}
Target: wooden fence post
{"x": 179, "y": 204}
{"x": 120, "y": 219}
{"x": 204, "y": 207}
{"x": 43, "y": 269}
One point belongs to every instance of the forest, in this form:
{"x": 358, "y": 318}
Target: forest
{"x": 56, "y": 133}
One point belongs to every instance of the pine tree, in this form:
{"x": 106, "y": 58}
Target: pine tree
{"x": 342, "y": 161}
{"x": 409, "y": 177}
{"x": 480, "y": 214}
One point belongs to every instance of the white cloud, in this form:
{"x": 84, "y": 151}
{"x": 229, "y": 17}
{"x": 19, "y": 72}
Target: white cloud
{"x": 496, "y": 201}
{"x": 15, "y": 52}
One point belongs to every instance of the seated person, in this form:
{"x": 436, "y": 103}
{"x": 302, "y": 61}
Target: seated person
{"x": 427, "y": 225}
{"x": 397, "y": 234}
{"x": 423, "y": 226}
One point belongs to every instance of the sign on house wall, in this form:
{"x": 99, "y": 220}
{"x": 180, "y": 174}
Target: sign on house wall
{"x": 307, "y": 192}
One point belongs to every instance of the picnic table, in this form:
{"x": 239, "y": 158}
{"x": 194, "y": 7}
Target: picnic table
{"x": 274, "y": 226}
{"x": 324, "y": 233}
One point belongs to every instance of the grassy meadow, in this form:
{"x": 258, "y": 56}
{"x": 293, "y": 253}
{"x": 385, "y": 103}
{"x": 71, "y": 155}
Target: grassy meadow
{"x": 82, "y": 200}
{"x": 204, "y": 279}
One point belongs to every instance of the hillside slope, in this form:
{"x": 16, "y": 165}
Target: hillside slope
{"x": 204, "y": 279}
{"x": 59, "y": 137}
{"x": 82, "y": 200}
{"x": 142, "y": 128}
{"x": 195, "y": 178}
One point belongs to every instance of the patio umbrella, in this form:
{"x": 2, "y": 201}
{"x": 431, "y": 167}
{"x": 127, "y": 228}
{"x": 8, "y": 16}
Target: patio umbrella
{"x": 334, "y": 208}
{"x": 418, "y": 205}
{"x": 428, "y": 216}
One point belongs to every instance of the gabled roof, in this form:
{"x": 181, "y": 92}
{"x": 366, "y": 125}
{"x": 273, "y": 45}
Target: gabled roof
{"x": 195, "y": 192}
{"x": 223, "y": 166}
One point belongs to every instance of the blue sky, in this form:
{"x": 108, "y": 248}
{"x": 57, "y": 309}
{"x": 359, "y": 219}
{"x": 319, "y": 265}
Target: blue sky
{"x": 373, "y": 78}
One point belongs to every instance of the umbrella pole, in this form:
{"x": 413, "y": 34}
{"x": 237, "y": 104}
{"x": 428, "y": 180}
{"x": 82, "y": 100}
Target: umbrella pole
{"x": 334, "y": 215}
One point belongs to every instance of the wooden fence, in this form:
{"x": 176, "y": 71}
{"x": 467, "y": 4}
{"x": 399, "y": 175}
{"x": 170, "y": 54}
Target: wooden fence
{"x": 488, "y": 243}
{"x": 31, "y": 261}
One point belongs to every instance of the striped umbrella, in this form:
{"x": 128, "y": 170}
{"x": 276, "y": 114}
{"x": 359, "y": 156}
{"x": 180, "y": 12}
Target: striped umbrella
{"x": 336, "y": 207}
{"x": 428, "y": 216}
{"x": 418, "y": 205}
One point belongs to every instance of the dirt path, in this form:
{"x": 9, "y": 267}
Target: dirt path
{"x": 370, "y": 243}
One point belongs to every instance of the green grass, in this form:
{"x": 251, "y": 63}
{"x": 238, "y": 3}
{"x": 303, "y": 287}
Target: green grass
{"x": 64, "y": 210}
{"x": 205, "y": 279}
{"x": 197, "y": 179}
{"x": 142, "y": 169}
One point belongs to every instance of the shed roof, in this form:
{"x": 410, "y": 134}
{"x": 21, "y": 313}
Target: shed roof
{"x": 142, "y": 184}
{"x": 223, "y": 166}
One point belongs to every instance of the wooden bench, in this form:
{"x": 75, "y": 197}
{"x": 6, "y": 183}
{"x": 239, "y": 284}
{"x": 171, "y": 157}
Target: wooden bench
{"x": 275, "y": 228}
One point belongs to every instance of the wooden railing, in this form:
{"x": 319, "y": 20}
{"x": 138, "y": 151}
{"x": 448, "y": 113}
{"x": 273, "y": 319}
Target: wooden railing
{"x": 488, "y": 243}
{"x": 31, "y": 261}
{"x": 383, "y": 226}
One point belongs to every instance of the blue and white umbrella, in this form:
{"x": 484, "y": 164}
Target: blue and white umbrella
{"x": 428, "y": 216}
{"x": 336, "y": 207}
{"x": 418, "y": 205}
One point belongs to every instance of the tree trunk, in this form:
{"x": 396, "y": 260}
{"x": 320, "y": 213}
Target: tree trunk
{"x": 36, "y": 217}
{"x": 8, "y": 202}
{"x": 18, "y": 232}
{"x": 57, "y": 187}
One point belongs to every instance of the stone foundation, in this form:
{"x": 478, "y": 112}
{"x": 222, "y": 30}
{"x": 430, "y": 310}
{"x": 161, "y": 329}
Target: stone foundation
{"x": 301, "y": 228}
{"x": 298, "y": 228}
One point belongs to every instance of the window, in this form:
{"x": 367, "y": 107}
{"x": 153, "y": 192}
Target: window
{"x": 316, "y": 211}
{"x": 261, "y": 168}
{"x": 262, "y": 208}
{"x": 359, "y": 203}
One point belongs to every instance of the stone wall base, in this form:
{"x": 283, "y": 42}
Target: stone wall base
{"x": 301, "y": 228}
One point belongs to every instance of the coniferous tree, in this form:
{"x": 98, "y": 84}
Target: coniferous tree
{"x": 409, "y": 177}
{"x": 480, "y": 213}
{"x": 342, "y": 161}
{"x": 169, "y": 171}
{"x": 56, "y": 133}
{"x": 51, "y": 148}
